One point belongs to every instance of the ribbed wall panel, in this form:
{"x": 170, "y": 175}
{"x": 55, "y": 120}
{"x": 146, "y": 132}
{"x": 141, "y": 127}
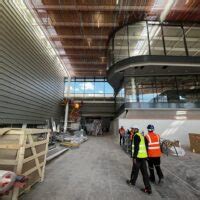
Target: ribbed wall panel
{"x": 31, "y": 80}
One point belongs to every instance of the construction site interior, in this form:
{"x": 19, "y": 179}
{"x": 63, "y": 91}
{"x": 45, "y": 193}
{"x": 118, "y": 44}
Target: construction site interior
{"x": 97, "y": 94}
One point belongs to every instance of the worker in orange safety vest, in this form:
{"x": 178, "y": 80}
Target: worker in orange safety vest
{"x": 122, "y": 134}
{"x": 152, "y": 141}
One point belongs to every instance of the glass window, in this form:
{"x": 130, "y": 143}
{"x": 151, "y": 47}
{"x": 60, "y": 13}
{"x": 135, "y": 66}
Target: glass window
{"x": 163, "y": 89}
{"x": 89, "y": 89}
{"x": 79, "y": 89}
{"x": 187, "y": 89}
{"x": 174, "y": 42}
{"x": 120, "y": 98}
{"x": 110, "y": 53}
{"x": 108, "y": 90}
{"x": 79, "y": 79}
{"x": 72, "y": 86}
{"x": 131, "y": 91}
{"x": 166, "y": 89}
{"x": 146, "y": 89}
{"x": 121, "y": 45}
{"x": 193, "y": 40}
{"x": 138, "y": 41}
{"x": 89, "y": 79}
{"x": 155, "y": 37}
{"x": 99, "y": 79}
{"x": 99, "y": 89}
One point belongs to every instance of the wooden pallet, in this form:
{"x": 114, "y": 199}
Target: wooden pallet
{"x": 24, "y": 151}
{"x": 70, "y": 144}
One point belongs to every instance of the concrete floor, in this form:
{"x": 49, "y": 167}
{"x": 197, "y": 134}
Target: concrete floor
{"x": 98, "y": 171}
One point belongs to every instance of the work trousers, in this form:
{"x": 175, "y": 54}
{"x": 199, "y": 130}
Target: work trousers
{"x": 130, "y": 144}
{"x": 122, "y": 139}
{"x": 132, "y": 171}
{"x": 140, "y": 164}
{"x": 155, "y": 162}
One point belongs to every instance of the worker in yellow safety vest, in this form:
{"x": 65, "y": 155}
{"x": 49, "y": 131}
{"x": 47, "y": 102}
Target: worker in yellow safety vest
{"x": 139, "y": 153}
{"x": 154, "y": 154}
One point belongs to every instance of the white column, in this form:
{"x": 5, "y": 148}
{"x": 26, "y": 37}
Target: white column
{"x": 67, "y": 105}
{"x": 66, "y": 116}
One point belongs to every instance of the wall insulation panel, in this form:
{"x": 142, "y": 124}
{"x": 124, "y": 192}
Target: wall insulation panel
{"x": 31, "y": 77}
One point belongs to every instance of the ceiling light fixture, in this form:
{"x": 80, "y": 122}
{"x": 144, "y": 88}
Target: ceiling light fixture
{"x": 98, "y": 18}
{"x": 102, "y": 59}
{"x": 89, "y": 41}
{"x": 117, "y": 2}
{"x": 166, "y": 10}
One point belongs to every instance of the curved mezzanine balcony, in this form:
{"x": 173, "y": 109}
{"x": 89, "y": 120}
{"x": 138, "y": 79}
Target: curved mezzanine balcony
{"x": 151, "y": 49}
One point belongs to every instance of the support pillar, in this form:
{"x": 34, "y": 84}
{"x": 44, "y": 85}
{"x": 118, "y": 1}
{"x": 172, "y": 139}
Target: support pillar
{"x": 66, "y": 117}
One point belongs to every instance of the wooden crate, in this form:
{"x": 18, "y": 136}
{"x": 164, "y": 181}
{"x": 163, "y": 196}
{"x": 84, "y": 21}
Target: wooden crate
{"x": 24, "y": 151}
{"x": 194, "y": 142}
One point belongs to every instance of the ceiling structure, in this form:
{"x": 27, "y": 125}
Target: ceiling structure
{"x": 80, "y": 29}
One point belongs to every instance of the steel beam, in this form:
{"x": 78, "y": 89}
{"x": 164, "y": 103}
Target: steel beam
{"x": 109, "y": 8}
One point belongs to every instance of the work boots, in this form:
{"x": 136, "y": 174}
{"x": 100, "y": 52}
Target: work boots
{"x": 161, "y": 180}
{"x": 129, "y": 182}
{"x": 147, "y": 191}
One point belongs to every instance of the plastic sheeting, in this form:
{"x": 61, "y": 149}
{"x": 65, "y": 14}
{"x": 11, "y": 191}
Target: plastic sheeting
{"x": 176, "y": 151}
{"x": 77, "y": 138}
{"x": 96, "y": 128}
{"x": 7, "y": 180}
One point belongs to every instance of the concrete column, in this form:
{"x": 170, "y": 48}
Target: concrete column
{"x": 67, "y": 105}
{"x": 66, "y": 116}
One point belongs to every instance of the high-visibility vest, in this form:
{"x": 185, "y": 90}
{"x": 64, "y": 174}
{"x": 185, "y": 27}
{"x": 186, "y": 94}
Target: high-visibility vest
{"x": 142, "y": 153}
{"x": 153, "y": 145}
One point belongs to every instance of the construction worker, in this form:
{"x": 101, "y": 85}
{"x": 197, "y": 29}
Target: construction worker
{"x": 154, "y": 153}
{"x": 139, "y": 161}
{"x": 122, "y": 134}
{"x": 131, "y": 135}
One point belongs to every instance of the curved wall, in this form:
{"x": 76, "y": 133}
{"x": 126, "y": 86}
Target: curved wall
{"x": 153, "y": 38}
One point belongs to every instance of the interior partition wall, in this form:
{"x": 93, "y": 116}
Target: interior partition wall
{"x": 154, "y": 38}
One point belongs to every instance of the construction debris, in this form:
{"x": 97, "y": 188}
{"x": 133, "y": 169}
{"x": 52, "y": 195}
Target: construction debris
{"x": 96, "y": 128}
{"x": 172, "y": 148}
{"x": 7, "y": 180}
{"x": 75, "y": 140}
{"x": 55, "y": 155}
{"x": 70, "y": 144}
